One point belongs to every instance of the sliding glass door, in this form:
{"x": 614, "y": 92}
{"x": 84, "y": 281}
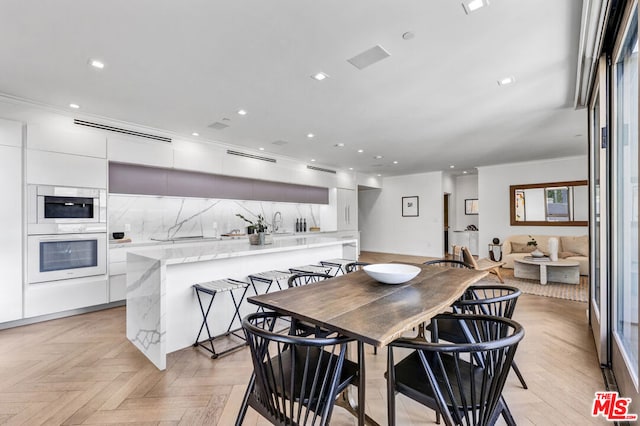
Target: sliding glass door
{"x": 624, "y": 203}
{"x": 598, "y": 160}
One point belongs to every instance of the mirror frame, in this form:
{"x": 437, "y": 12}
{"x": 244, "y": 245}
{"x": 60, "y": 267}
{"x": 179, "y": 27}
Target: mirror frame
{"x": 512, "y": 203}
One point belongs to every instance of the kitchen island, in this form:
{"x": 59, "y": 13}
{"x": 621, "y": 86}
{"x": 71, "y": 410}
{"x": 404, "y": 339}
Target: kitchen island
{"x": 163, "y": 315}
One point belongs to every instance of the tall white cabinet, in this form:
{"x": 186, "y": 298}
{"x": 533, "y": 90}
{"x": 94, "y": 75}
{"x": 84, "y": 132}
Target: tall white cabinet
{"x": 11, "y": 220}
{"x": 347, "y": 201}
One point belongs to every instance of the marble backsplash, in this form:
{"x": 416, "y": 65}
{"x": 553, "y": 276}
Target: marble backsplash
{"x": 170, "y": 217}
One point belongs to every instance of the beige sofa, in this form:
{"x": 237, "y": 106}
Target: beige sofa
{"x": 569, "y": 248}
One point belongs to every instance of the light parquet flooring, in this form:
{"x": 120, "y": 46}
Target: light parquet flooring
{"x": 83, "y": 370}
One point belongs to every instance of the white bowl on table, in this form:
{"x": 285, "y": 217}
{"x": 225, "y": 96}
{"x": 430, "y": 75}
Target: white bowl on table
{"x": 391, "y": 273}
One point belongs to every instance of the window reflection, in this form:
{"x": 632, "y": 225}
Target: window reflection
{"x": 626, "y": 193}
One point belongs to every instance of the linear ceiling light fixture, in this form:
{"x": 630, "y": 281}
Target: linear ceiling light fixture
{"x": 473, "y": 5}
{"x": 74, "y": 106}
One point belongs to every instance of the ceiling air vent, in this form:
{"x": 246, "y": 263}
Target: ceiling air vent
{"x": 255, "y": 157}
{"x": 280, "y": 142}
{"x": 218, "y": 126}
{"x": 320, "y": 169}
{"x": 369, "y": 57}
{"x": 119, "y": 130}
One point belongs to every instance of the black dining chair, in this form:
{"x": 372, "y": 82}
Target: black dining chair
{"x": 304, "y": 278}
{"x": 498, "y": 300}
{"x": 448, "y": 263}
{"x": 302, "y": 328}
{"x": 461, "y": 381}
{"x": 295, "y": 380}
{"x": 354, "y": 266}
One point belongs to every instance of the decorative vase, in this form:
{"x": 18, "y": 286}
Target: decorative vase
{"x": 553, "y": 249}
{"x": 537, "y": 253}
{"x": 264, "y": 238}
{"x": 254, "y": 239}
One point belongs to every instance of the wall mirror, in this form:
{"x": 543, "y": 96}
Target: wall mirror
{"x": 550, "y": 204}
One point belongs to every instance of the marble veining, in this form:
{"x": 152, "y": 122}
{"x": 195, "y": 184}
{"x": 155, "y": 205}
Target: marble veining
{"x": 152, "y": 217}
{"x": 162, "y": 310}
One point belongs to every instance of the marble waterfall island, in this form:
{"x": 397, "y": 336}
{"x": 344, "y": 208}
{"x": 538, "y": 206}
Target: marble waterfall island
{"x": 163, "y": 314}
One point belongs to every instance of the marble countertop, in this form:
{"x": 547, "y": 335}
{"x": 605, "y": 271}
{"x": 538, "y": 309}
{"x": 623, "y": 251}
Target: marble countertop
{"x": 277, "y": 236}
{"x": 209, "y": 250}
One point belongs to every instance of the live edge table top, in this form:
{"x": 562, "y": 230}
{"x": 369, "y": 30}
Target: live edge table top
{"x": 358, "y": 306}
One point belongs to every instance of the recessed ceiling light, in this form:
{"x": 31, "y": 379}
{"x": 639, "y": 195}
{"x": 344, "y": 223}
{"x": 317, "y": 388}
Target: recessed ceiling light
{"x": 464, "y": 172}
{"x": 452, "y": 166}
{"x": 339, "y": 145}
{"x": 473, "y": 5}
{"x": 96, "y": 63}
{"x": 311, "y": 135}
{"x": 261, "y": 149}
{"x": 195, "y": 134}
{"x": 395, "y": 162}
{"x": 242, "y": 112}
{"x": 378, "y": 157}
{"x": 379, "y": 175}
{"x": 350, "y": 168}
{"x": 361, "y": 151}
{"x": 74, "y": 106}
{"x": 320, "y": 76}
{"x": 313, "y": 160}
{"x": 505, "y": 81}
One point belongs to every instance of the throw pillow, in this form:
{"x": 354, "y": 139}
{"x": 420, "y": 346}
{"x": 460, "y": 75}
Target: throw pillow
{"x": 578, "y": 245}
{"x": 521, "y": 248}
{"x": 565, "y": 254}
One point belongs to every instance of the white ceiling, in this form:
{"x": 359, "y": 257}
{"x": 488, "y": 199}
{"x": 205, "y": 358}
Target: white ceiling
{"x": 182, "y": 65}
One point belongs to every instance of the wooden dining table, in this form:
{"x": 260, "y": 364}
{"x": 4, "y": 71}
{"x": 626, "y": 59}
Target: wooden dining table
{"x": 357, "y": 306}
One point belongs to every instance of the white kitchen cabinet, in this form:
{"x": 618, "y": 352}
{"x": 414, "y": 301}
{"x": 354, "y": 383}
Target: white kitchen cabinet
{"x": 65, "y": 295}
{"x": 65, "y": 137}
{"x": 118, "y": 274}
{"x": 52, "y": 168}
{"x": 11, "y": 220}
{"x": 347, "y": 209}
{"x": 198, "y": 157}
{"x": 139, "y": 151}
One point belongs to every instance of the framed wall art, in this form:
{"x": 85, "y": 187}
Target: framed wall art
{"x": 471, "y": 206}
{"x": 410, "y": 206}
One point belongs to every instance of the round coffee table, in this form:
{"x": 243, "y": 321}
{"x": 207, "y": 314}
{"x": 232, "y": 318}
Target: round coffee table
{"x": 561, "y": 271}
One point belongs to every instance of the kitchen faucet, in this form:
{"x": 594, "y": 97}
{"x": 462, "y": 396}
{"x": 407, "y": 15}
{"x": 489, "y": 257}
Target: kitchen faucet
{"x": 277, "y": 221}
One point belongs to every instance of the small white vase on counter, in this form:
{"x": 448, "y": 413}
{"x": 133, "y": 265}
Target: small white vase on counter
{"x": 553, "y": 249}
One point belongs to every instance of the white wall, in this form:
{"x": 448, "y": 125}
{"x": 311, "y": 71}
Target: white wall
{"x": 382, "y": 227}
{"x": 493, "y": 194}
{"x": 466, "y": 188}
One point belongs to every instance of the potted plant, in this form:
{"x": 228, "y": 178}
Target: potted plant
{"x": 535, "y": 252}
{"x": 256, "y": 230}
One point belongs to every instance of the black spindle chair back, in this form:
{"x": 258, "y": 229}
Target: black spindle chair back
{"x": 306, "y": 278}
{"x": 296, "y": 379}
{"x": 461, "y": 381}
{"x": 354, "y": 266}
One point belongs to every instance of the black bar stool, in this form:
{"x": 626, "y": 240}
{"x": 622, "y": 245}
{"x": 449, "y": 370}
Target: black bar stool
{"x": 338, "y": 264}
{"x": 311, "y": 269}
{"x": 268, "y": 278}
{"x": 212, "y": 288}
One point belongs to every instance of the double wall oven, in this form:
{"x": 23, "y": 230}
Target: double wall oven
{"x": 66, "y": 230}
